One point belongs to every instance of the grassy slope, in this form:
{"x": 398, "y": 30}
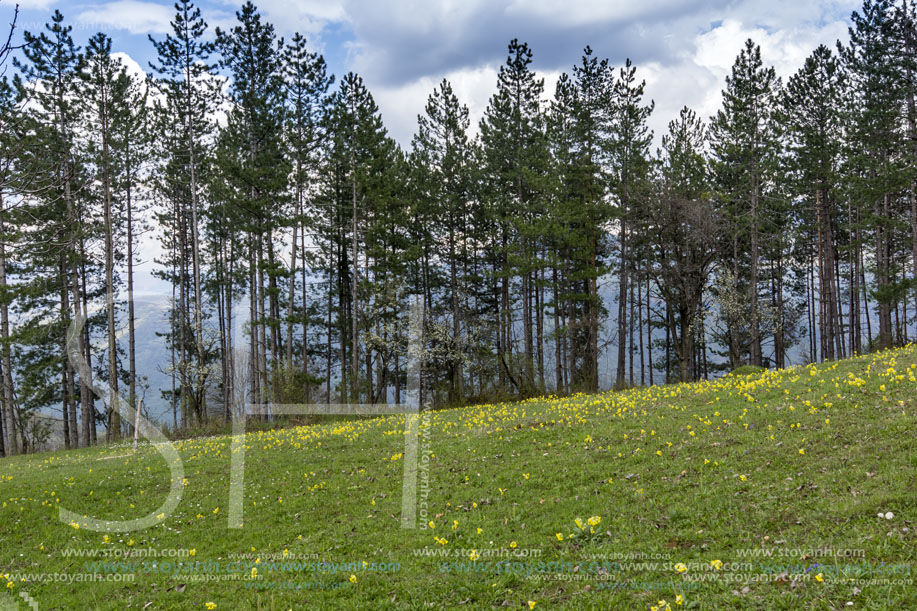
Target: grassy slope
{"x": 796, "y": 461}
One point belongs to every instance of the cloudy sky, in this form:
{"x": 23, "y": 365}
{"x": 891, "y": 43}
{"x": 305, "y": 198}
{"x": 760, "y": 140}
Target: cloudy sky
{"x": 403, "y": 48}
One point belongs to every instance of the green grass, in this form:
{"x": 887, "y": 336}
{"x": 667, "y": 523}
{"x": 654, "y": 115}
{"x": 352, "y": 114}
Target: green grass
{"x": 785, "y": 471}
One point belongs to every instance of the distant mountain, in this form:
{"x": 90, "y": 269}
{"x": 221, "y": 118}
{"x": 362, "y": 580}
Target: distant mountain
{"x": 151, "y": 314}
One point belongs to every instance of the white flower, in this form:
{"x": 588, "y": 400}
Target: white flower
{"x": 889, "y": 515}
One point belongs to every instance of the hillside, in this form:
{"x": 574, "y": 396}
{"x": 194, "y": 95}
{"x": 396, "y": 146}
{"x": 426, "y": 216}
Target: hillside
{"x": 783, "y": 490}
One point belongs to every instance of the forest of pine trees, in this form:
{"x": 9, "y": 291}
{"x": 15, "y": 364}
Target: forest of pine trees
{"x": 552, "y": 249}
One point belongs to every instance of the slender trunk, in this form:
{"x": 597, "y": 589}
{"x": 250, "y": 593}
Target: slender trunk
{"x": 355, "y": 307}
{"x": 344, "y": 313}
{"x": 864, "y": 288}
{"x": 367, "y": 353}
{"x": 539, "y": 324}
{"x": 114, "y": 419}
{"x": 87, "y": 409}
{"x": 622, "y": 309}
{"x": 668, "y": 341}
{"x": 3, "y": 431}
{"x": 274, "y": 318}
{"x": 571, "y": 372}
{"x": 307, "y": 385}
{"x": 824, "y": 320}
{"x": 267, "y": 393}
{"x": 649, "y": 331}
{"x": 640, "y": 333}
{"x": 911, "y": 55}
{"x": 735, "y": 355}
{"x": 131, "y": 319}
{"x": 504, "y": 350}
{"x": 253, "y": 324}
{"x": 703, "y": 336}
{"x": 630, "y": 325}
{"x": 328, "y": 337}
{"x": 839, "y": 325}
{"x": 230, "y": 354}
{"x": 527, "y": 319}
{"x": 173, "y": 370}
{"x": 200, "y": 403}
{"x": 810, "y": 310}
{"x": 883, "y": 275}
{"x": 9, "y": 409}
{"x": 686, "y": 346}
{"x": 184, "y": 389}
{"x": 87, "y": 341}
{"x": 457, "y": 374}
{"x": 754, "y": 324}
{"x": 558, "y": 365}
{"x": 220, "y": 270}
{"x": 292, "y": 298}
{"x": 71, "y": 438}
{"x": 777, "y": 305}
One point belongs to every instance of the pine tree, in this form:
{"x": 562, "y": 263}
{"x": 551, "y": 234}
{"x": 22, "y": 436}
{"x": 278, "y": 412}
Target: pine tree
{"x": 905, "y": 32}
{"x": 50, "y": 75}
{"x": 629, "y": 183}
{"x": 251, "y": 52}
{"x": 103, "y": 93}
{"x": 130, "y": 141}
{"x": 744, "y": 151}
{"x": 442, "y": 150}
{"x": 580, "y": 129}
{"x": 191, "y": 92}
{"x": 875, "y": 169}
{"x": 354, "y": 191}
{"x": 307, "y": 83}
{"x": 810, "y": 111}
{"x": 10, "y": 133}
{"x": 516, "y": 160}
{"x": 10, "y": 114}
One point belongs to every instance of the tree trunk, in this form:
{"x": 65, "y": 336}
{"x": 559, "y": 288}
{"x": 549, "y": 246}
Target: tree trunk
{"x": 9, "y": 409}
{"x": 686, "y": 343}
{"x": 457, "y": 373}
{"x": 754, "y": 324}
{"x": 622, "y": 309}
{"x": 883, "y": 276}
{"x": 114, "y": 419}
{"x": 649, "y": 331}
{"x": 355, "y": 307}
{"x": 131, "y": 319}
{"x": 200, "y": 403}
{"x": 71, "y": 437}
{"x": 292, "y": 298}
{"x": 640, "y": 333}
{"x": 307, "y": 386}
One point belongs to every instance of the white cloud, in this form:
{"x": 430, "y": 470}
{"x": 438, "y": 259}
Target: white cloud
{"x": 683, "y": 48}
{"x": 785, "y": 49}
{"x": 135, "y": 16}
{"x": 586, "y": 12}
{"x": 401, "y": 104}
{"x": 289, "y": 16}
{"x": 27, "y": 5}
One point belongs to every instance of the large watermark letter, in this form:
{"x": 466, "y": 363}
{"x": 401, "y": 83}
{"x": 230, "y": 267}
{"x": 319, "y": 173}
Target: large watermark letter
{"x": 410, "y": 409}
{"x": 147, "y": 429}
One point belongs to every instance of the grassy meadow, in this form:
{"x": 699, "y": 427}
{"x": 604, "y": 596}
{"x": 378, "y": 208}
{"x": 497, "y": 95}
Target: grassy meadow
{"x": 790, "y": 489}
